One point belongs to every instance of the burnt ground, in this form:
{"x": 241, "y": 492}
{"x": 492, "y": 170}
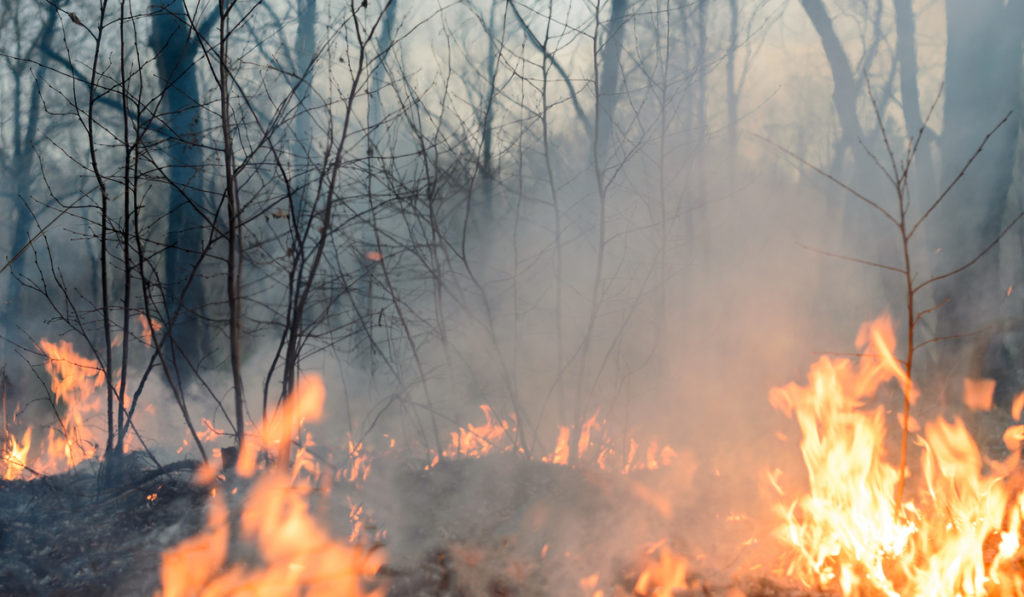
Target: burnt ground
{"x": 60, "y": 535}
{"x": 465, "y": 528}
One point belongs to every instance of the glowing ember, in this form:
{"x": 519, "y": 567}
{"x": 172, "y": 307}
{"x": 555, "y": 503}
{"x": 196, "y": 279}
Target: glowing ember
{"x": 959, "y": 537}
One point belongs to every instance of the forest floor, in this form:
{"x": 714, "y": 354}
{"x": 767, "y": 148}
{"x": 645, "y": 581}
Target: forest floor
{"x": 466, "y": 528}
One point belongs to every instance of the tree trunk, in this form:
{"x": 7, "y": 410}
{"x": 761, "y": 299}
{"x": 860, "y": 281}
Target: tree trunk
{"x": 731, "y": 95}
{"x": 175, "y": 50}
{"x": 371, "y": 255}
{"x": 22, "y": 164}
{"x": 923, "y": 182}
{"x": 608, "y": 87}
{"x": 844, "y": 95}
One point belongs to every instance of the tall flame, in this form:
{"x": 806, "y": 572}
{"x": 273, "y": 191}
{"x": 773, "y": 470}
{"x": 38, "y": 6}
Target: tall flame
{"x": 958, "y": 537}
{"x": 298, "y": 557}
{"x": 75, "y": 381}
{"x": 15, "y": 455}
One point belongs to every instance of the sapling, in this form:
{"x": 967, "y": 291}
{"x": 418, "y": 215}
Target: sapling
{"x": 897, "y": 173}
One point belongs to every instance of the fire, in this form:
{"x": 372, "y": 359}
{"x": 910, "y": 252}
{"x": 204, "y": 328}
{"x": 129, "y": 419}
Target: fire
{"x": 75, "y": 382}
{"x": 275, "y": 433}
{"x": 595, "y": 446}
{"x": 960, "y": 535}
{"x": 475, "y": 441}
{"x": 298, "y": 557}
{"x": 148, "y": 326}
{"x": 188, "y": 567}
{"x": 561, "y": 453}
{"x": 663, "y": 576}
{"x": 358, "y": 468}
{"x": 978, "y": 393}
{"x": 592, "y": 447}
{"x": 15, "y": 455}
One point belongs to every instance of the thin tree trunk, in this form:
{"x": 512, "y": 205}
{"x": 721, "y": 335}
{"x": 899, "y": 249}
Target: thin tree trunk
{"x": 234, "y": 235}
{"x": 608, "y": 86}
{"x": 22, "y": 165}
{"x": 371, "y": 257}
{"x": 731, "y": 96}
{"x": 844, "y": 95}
{"x": 175, "y": 49}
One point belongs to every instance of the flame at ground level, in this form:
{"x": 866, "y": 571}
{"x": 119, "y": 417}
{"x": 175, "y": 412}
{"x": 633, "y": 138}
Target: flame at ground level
{"x": 76, "y": 382}
{"x": 959, "y": 535}
{"x": 297, "y": 557}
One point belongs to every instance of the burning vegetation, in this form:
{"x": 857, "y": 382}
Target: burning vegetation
{"x": 378, "y": 298}
{"x": 958, "y": 534}
{"x": 483, "y": 517}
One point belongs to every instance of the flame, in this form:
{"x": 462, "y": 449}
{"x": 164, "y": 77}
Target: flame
{"x": 208, "y": 433}
{"x": 358, "y": 468}
{"x": 305, "y": 464}
{"x": 561, "y": 453}
{"x": 978, "y": 393}
{"x": 190, "y": 565}
{"x": 297, "y": 556}
{"x": 475, "y": 441}
{"x": 960, "y": 535}
{"x": 75, "y": 381}
{"x": 275, "y": 432}
{"x": 15, "y": 455}
{"x": 148, "y": 326}
{"x": 593, "y": 447}
{"x": 663, "y": 576}
{"x": 1017, "y": 406}
{"x": 589, "y": 585}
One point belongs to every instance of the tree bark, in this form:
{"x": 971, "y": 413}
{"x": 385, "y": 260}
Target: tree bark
{"x": 844, "y": 95}
{"x": 175, "y": 50}
{"x": 608, "y": 86}
{"x": 371, "y": 255}
{"x": 21, "y": 165}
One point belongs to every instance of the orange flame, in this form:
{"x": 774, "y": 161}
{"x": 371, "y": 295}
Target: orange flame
{"x": 561, "y": 453}
{"x": 298, "y": 557}
{"x": 276, "y": 431}
{"x": 74, "y": 381}
{"x": 148, "y": 326}
{"x": 959, "y": 537}
{"x": 358, "y": 468}
{"x": 978, "y": 393}
{"x": 191, "y": 565}
{"x": 475, "y": 441}
{"x": 15, "y": 455}
{"x": 592, "y": 447}
{"x": 664, "y": 576}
